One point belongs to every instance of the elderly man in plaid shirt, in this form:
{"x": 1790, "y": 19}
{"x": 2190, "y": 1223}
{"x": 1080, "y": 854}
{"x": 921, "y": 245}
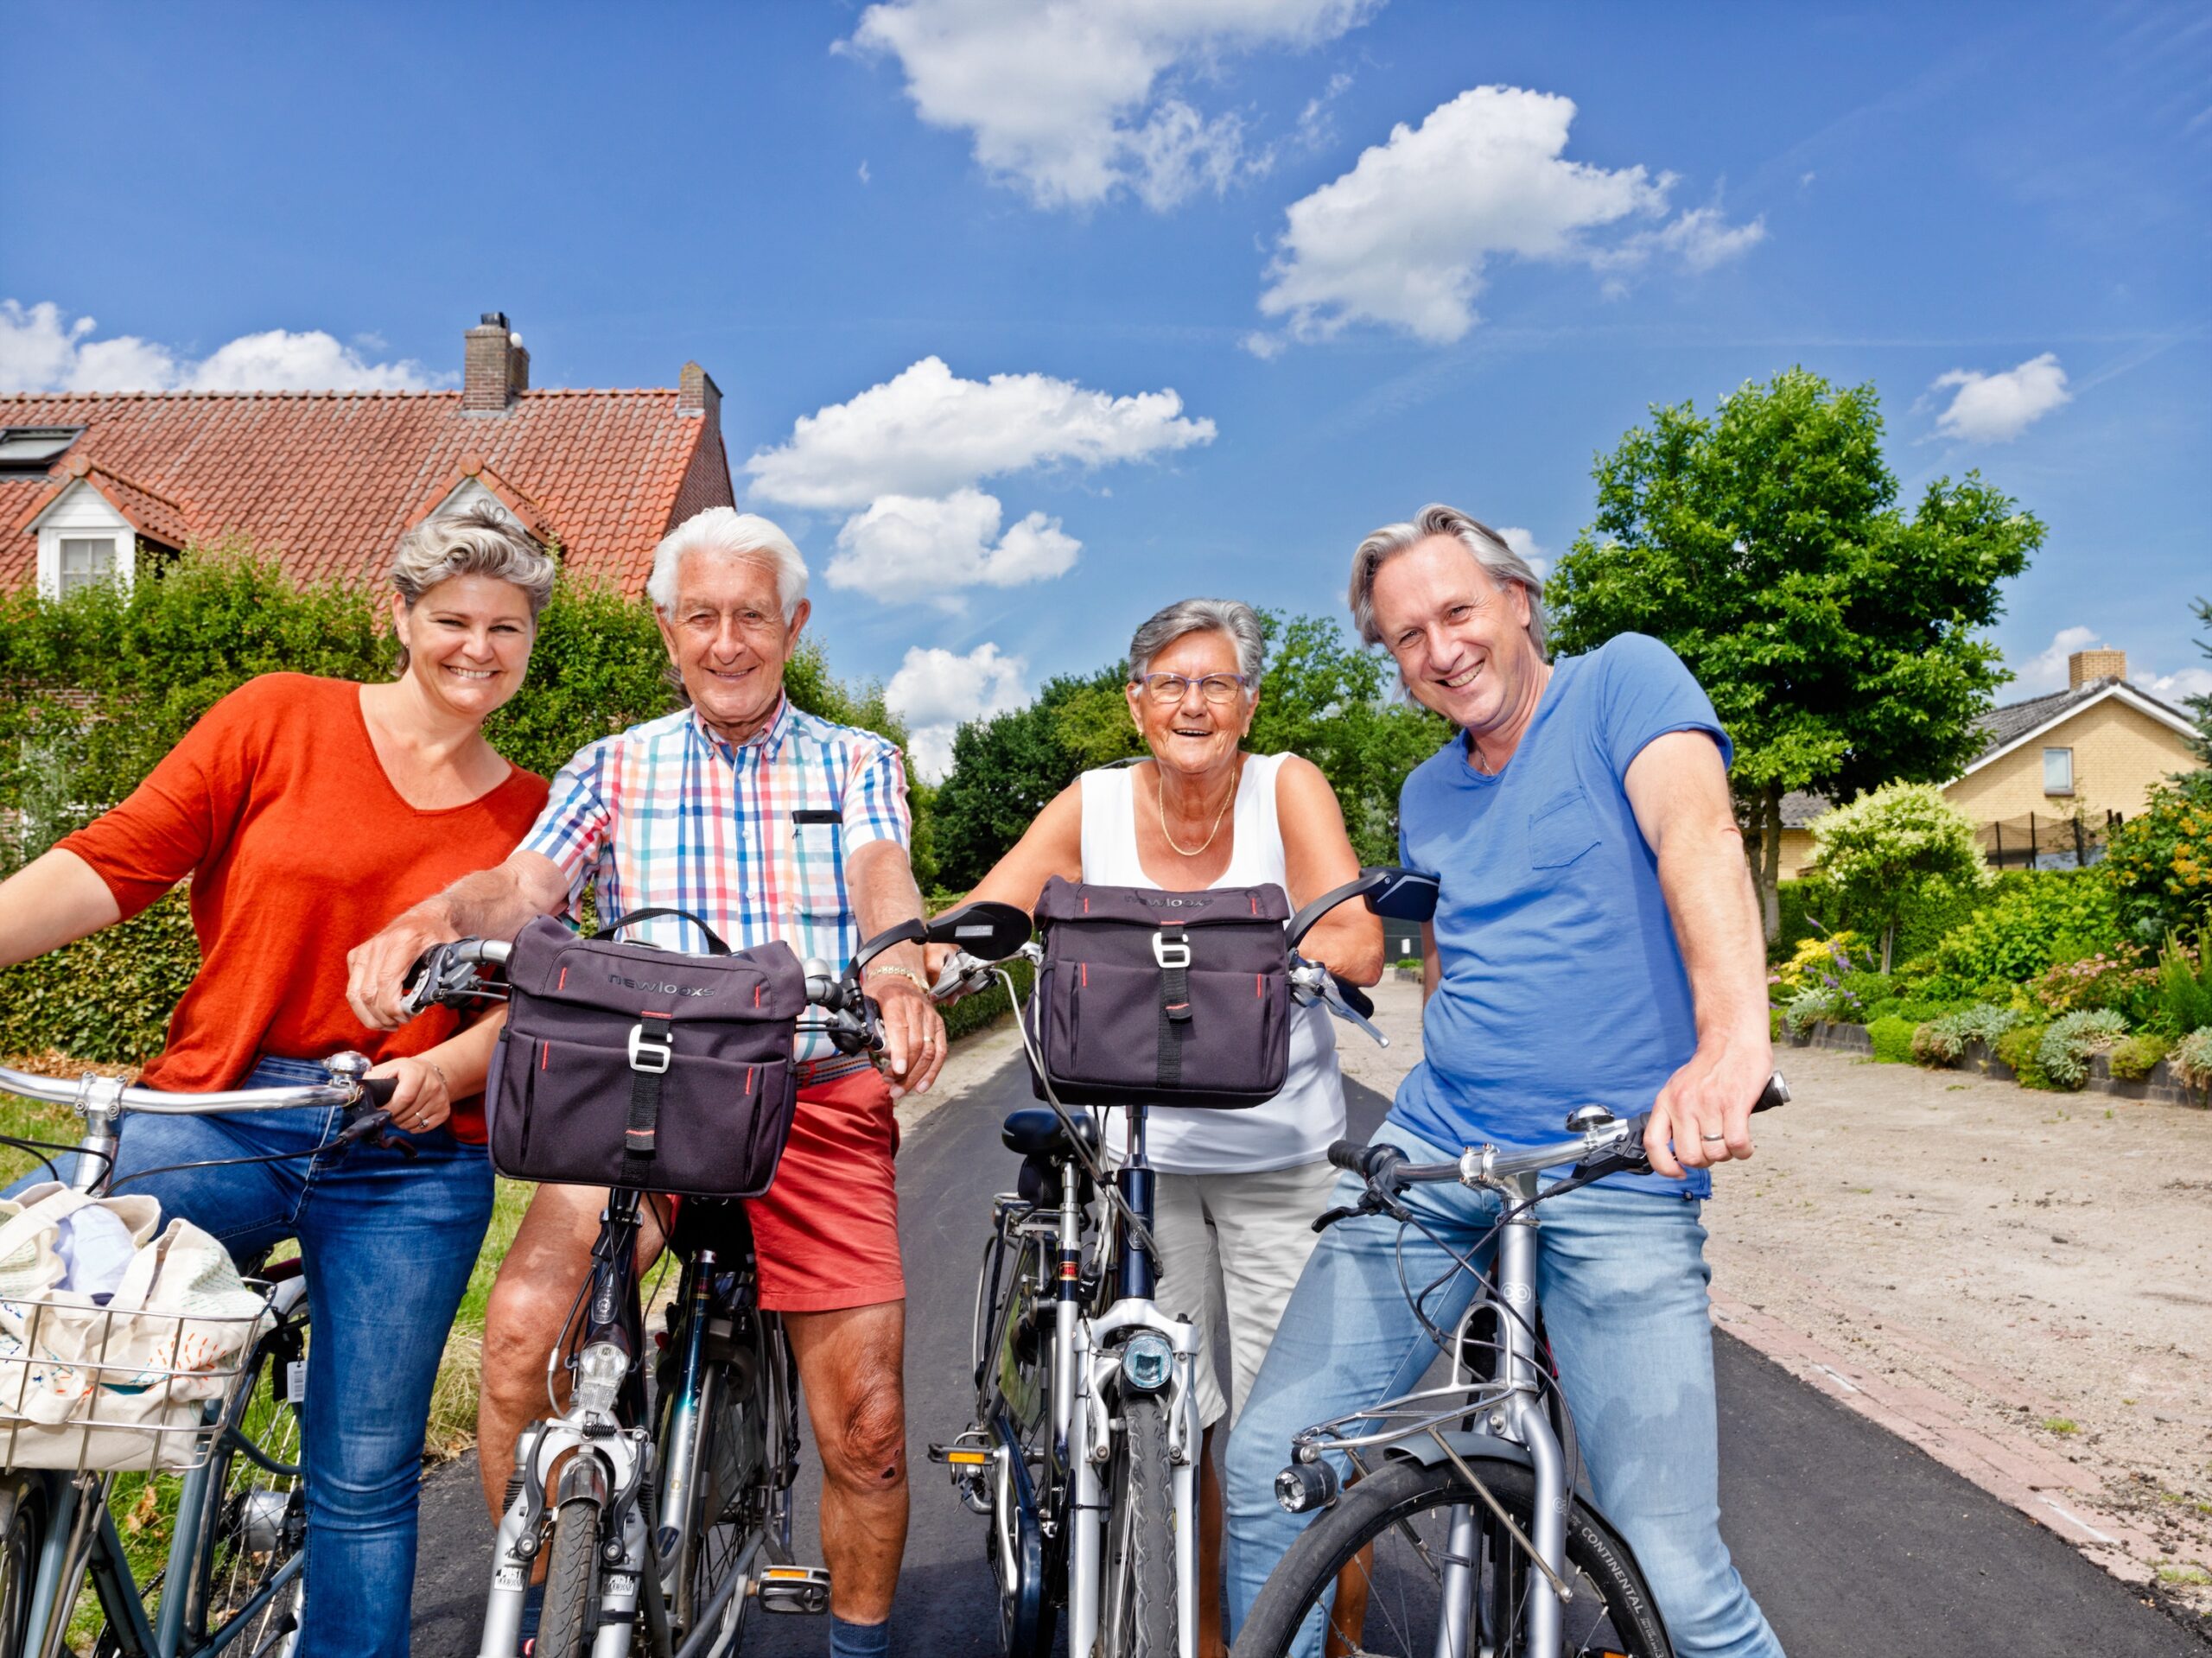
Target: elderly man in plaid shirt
{"x": 765, "y": 822}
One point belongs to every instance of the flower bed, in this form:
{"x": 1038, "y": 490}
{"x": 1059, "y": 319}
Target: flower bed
{"x": 2162, "y": 1082}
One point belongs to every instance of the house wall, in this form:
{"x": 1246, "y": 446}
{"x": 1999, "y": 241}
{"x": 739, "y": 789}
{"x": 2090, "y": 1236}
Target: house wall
{"x": 2120, "y": 753}
{"x": 1796, "y": 852}
{"x": 81, "y": 509}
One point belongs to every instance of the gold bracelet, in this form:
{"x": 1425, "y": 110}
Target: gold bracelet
{"x": 908, "y": 973}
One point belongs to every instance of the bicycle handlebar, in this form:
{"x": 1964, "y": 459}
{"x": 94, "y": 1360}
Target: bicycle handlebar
{"x": 153, "y": 1101}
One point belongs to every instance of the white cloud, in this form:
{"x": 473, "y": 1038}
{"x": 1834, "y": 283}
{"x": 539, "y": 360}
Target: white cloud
{"x": 41, "y": 352}
{"x": 908, "y": 547}
{"x": 1403, "y": 240}
{"x": 927, "y": 432}
{"x": 2046, "y": 670}
{"x": 936, "y": 692}
{"x": 1523, "y": 542}
{"x": 2178, "y": 687}
{"x": 1072, "y": 100}
{"x": 1997, "y": 408}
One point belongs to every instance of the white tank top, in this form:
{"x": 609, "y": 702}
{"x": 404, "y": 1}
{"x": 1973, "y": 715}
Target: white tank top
{"x": 1297, "y": 1125}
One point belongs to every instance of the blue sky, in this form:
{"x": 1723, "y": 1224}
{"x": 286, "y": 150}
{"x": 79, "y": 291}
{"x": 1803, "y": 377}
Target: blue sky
{"x": 1075, "y": 309}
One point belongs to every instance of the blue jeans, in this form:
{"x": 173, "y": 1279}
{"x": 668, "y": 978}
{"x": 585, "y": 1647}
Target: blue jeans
{"x": 1621, "y": 1276}
{"x": 388, "y": 1246}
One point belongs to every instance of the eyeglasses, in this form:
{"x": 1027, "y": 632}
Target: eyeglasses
{"x": 1166, "y": 688}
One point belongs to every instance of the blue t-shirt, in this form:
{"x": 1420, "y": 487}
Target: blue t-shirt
{"x": 1560, "y": 983}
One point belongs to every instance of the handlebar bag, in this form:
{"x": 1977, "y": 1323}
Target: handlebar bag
{"x": 1148, "y": 997}
{"x": 626, "y": 1065}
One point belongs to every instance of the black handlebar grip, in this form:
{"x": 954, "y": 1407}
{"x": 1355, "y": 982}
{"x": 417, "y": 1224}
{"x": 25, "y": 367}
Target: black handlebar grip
{"x": 1777, "y": 1092}
{"x": 1355, "y": 999}
{"x": 1349, "y": 1155}
{"x": 379, "y": 1090}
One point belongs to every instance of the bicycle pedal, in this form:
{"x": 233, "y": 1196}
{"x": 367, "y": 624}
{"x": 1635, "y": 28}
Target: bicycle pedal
{"x": 794, "y": 1589}
{"x": 961, "y": 1456}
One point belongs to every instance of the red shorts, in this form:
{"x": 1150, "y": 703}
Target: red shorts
{"x": 826, "y": 1233}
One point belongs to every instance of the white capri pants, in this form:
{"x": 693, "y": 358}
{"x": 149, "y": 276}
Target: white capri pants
{"x": 1239, "y": 1240}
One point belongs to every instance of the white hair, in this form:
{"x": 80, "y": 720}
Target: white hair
{"x": 1487, "y": 546}
{"x": 732, "y": 534}
{"x": 1228, "y": 616}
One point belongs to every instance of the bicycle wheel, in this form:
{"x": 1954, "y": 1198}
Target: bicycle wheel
{"x": 1014, "y": 1396}
{"x": 1140, "y": 1606}
{"x": 1393, "y": 1529}
{"x": 254, "y": 1522}
{"x": 721, "y": 1529}
{"x": 570, "y": 1580}
{"x": 22, "y": 1533}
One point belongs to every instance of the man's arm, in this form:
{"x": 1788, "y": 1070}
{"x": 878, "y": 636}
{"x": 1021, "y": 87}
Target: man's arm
{"x": 1678, "y": 789}
{"x": 881, "y": 880}
{"x": 490, "y": 904}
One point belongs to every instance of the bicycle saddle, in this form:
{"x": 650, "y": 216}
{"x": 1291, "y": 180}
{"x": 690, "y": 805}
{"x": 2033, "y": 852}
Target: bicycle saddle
{"x": 1037, "y": 1131}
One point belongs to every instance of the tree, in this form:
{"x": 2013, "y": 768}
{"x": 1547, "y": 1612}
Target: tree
{"x": 1838, "y": 639}
{"x": 2202, "y": 706}
{"x": 1887, "y": 851}
{"x": 1006, "y": 768}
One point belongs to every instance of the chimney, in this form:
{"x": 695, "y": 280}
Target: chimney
{"x": 2086, "y": 667}
{"x": 494, "y": 366}
{"x": 697, "y": 394}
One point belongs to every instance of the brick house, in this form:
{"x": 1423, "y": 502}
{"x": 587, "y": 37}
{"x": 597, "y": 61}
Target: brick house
{"x": 101, "y": 485}
{"x": 2047, "y": 763}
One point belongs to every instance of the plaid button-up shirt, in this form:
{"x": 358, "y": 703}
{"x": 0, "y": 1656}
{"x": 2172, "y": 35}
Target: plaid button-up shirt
{"x": 752, "y": 839}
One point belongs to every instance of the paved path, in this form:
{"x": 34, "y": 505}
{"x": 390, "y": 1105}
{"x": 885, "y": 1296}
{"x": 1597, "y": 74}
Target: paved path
{"x": 1854, "y": 1542}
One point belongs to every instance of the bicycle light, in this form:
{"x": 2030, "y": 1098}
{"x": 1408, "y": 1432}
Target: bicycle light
{"x": 1305, "y": 1486}
{"x": 1147, "y": 1360}
{"x": 599, "y": 1370}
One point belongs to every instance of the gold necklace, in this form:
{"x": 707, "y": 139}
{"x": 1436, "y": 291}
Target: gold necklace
{"x": 1159, "y": 799}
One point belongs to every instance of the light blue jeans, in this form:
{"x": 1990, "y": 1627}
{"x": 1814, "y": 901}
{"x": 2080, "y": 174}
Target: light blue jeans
{"x": 388, "y": 1246}
{"x": 1621, "y": 1276}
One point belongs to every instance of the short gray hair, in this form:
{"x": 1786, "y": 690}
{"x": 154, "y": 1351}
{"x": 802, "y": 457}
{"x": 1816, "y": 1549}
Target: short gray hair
{"x": 1488, "y": 547}
{"x": 733, "y": 534}
{"x": 479, "y": 541}
{"x": 1239, "y": 620}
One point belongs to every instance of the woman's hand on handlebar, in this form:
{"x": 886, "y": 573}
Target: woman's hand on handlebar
{"x": 420, "y": 1100}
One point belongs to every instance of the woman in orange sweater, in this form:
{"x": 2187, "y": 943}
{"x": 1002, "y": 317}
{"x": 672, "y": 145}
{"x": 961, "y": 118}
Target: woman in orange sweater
{"x": 307, "y": 813}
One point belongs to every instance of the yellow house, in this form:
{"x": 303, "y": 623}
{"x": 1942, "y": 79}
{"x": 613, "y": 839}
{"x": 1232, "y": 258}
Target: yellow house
{"x": 2053, "y": 771}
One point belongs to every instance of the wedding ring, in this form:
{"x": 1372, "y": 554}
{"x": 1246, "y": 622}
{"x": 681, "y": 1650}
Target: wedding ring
{"x": 1713, "y": 1136}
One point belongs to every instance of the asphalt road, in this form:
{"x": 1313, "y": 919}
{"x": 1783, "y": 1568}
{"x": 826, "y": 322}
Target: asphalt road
{"x": 1853, "y": 1541}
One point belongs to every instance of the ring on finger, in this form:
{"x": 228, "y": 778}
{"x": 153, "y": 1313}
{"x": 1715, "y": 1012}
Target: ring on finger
{"x": 1709, "y": 1138}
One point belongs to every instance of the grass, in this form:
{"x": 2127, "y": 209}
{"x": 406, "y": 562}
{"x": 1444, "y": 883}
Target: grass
{"x": 2189, "y": 1574}
{"x": 2060, "y": 1425}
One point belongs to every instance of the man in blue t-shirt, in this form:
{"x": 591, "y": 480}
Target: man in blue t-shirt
{"x": 1596, "y": 942}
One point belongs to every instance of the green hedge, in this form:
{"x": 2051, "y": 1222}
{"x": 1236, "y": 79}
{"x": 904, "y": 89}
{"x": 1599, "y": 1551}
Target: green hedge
{"x": 106, "y": 998}
{"x": 1892, "y": 1039}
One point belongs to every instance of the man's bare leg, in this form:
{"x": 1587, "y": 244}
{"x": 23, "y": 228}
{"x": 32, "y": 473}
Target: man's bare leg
{"x": 531, "y": 1300}
{"x": 851, "y": 1371}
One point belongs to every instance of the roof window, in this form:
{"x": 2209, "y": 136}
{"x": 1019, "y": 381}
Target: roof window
{"x": 34, "y": 448}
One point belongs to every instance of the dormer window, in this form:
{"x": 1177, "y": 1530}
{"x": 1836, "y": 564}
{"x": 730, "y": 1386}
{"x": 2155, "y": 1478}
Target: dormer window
{"x": 83, "y": 561}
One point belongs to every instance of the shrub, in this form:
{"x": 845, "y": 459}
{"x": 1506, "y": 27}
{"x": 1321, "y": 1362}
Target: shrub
{"x": 1823, "y": 960}
{"x": 1807, "y": 911}
{"x": 1890, "y": 850}
{"x": 1892, "y": 1039}
{"x": 2115, "y": 981}
{"x": 106, "y": 999}
{"x": 2192, "y": 1057}
{"x": 2018, "y": 1048}
{"x": 2060, "y": 916}
{"x": 1942, "y": 1040}
{"x": 2183, "y": 1000}
{"x": 2134, "y": 1057}
{"x": 2070, "y": 1039}
{"x": 2161, "y": 859}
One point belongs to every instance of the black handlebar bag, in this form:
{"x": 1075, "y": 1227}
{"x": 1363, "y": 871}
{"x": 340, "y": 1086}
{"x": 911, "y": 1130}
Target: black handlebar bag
{"x": 625, "y": 1066}
{"x": 1153, "y": 998}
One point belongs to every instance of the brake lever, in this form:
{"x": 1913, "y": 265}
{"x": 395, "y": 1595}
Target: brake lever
{"x": 1333, "y": 1000}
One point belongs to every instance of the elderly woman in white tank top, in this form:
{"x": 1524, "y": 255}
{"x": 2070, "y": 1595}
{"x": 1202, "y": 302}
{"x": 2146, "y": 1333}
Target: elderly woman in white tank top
{"x": 1238, "y": 1189}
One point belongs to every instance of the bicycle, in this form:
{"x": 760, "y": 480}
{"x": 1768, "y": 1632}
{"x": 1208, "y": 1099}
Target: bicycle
{"x": 1084, "y": 1451}
{"x": 660, "y": 1498}
{"x": 1464, "y": 1530}
{"x": 231, "y": 1579}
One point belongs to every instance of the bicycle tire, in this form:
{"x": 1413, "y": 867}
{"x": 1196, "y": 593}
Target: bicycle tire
{"x": 1612, "y": 1610}
{"x": 718, "y": 1529}
{"x": 562, "y": 1630}
{"x": 249, "y": 1506}
{"x": 1028, "y": 1608}
{"x": 1141, "y": 1535}
{"x": 23, "y": 1534}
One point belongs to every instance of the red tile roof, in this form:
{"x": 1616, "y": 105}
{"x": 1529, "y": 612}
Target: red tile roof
{"x": 330, "y": 480}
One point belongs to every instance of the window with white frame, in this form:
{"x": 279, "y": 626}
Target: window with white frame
{"x": 2058, "y": 771}
{"x": 85, "y": 559}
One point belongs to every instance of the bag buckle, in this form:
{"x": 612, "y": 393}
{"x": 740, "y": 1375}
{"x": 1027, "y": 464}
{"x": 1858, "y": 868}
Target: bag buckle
{"x": 1171, "y": 953}
{"x": 649, "y": 1056}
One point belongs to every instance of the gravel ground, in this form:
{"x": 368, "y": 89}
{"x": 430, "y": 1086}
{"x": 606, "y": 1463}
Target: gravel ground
{"x": 2043, "y": 1261}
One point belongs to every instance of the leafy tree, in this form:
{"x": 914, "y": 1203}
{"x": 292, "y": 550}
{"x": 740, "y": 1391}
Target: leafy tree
{"x": 2160, "y": 860}
{"x": 2202, "y": 706}
{"x": 1887, "y": 851}
{"x": 1838, "y": 637}
{"x": 1006, "y": 768}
